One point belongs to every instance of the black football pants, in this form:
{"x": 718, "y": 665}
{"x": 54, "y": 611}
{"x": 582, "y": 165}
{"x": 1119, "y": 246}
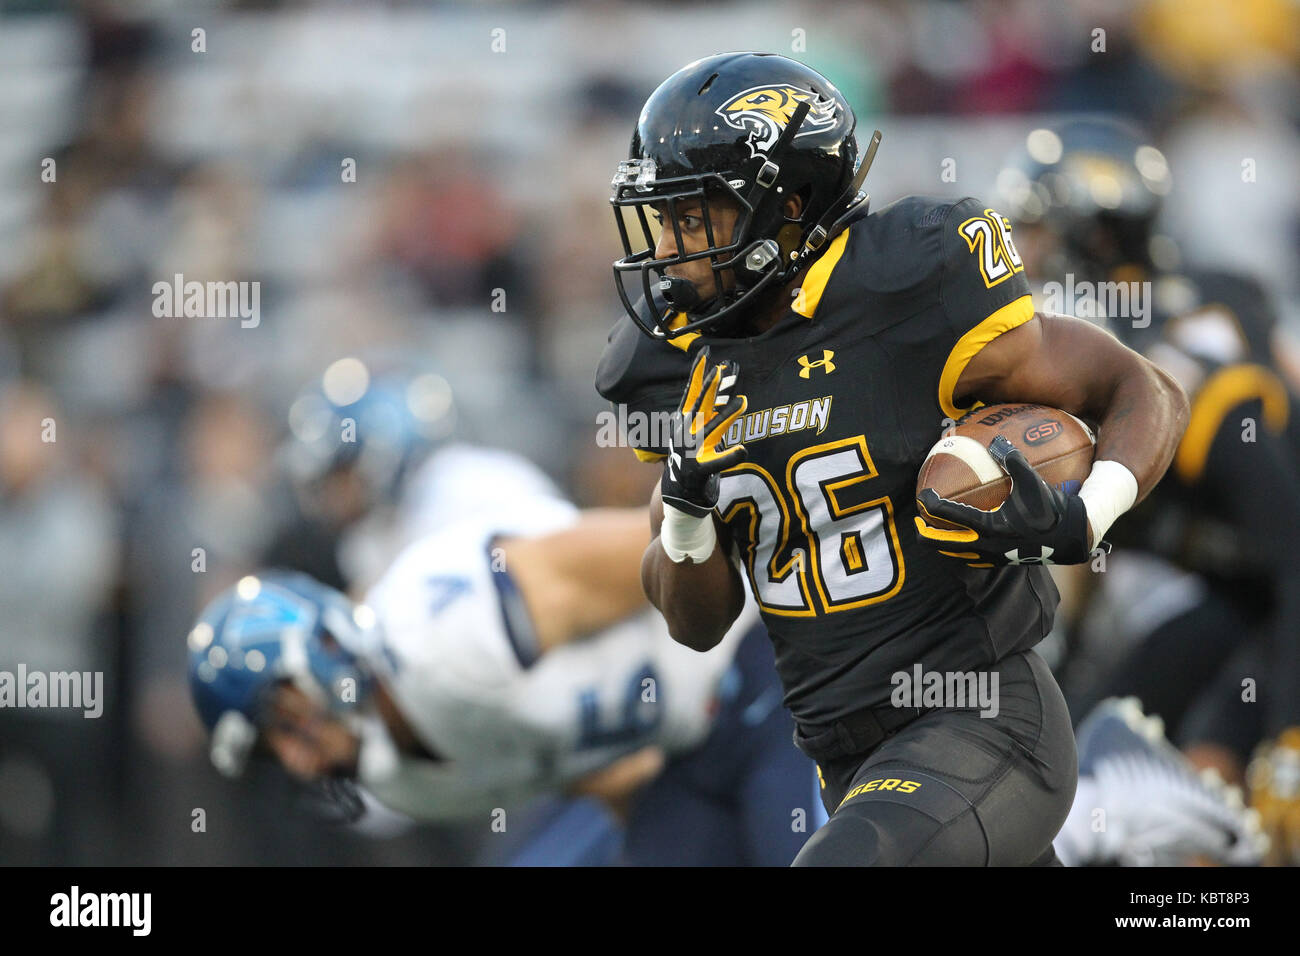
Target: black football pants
{"x": 952, "y": 788}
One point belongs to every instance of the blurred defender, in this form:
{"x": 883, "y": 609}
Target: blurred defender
{"x": 374, "y": 463}
{"x": 492, "y": 662}
{"x": 491, "y": 666}
{"x": 849, "y": 338}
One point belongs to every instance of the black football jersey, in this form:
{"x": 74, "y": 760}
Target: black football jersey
{"x": 1224, "y": 316}
{"x": 1224, "y": 319}
{"x": 846, "y": 394}
{"x": 1240, "y": 442}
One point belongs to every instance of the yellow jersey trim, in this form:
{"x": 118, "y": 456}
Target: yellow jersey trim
{"x": 643, "y": 455}
{"x": 805, "y": 303}
{"x": 682, "y": 342}
{"x": 1005, "y": 319}
{"x": 819, "y": 274}
{"x": 1226, "y": 389}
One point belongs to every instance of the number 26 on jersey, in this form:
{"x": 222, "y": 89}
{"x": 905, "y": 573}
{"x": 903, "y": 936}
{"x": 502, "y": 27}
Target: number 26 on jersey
{"x": 837, "y": 556}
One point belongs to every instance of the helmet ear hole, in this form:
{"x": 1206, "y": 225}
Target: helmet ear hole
{"x": 803, "y": 194}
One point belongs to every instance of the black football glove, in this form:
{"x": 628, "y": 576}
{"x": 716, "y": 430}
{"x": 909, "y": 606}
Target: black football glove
{"x": 708, "y": 408}
{"x": 1037, "y": 524}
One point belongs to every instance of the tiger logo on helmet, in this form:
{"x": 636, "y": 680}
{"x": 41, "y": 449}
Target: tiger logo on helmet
{"x": 767, "y": 110}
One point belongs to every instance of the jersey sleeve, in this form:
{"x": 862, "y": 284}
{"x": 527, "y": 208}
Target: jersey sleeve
{"x": 462, "y": 482}
{"x": 643, "y": 380}
{"x": 460, "y": 638}
{"x": 982, "y": 289}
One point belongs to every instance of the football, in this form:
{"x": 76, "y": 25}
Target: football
{"x": 960, "y": 468}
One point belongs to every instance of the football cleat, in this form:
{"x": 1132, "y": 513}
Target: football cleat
{"x": 1140, "y": 802}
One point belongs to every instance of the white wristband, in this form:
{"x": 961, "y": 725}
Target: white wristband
{"x": 1109, "y": 491}
{"x": 686, "y": 536}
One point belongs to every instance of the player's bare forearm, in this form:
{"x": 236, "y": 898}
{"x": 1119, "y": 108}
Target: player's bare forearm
{"x": 1142, "y": 424}
{"x": 698, "y": 601}
{"x": 581, "y": 579}
{"x": 1140, "y": 411}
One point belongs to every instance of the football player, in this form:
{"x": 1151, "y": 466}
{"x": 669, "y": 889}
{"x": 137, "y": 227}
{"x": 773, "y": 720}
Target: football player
{"x": 494, "y": 661}
{"x": 374, "y": 462}
{"x": 768, "y": 292}
{"x": 1091, "y": 190}
{"x": 744, "y": 797}
{"x": 371, "y": 454}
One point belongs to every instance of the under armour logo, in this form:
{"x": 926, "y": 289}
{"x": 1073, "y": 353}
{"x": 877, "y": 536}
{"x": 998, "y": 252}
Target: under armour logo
{"x": 1043, "y": 556}
{"x": 806, "y": 367}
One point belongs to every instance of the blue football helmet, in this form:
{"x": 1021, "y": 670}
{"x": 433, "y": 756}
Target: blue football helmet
{"x": 272, "y": 628}
{"x": 380, "y": 421}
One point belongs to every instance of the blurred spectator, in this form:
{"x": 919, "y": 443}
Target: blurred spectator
{"x": 58, "y": 558}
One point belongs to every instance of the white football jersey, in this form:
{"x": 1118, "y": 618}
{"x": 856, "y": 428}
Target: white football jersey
{"x": 510, "y": 723}
{"x": 456, "y": 483}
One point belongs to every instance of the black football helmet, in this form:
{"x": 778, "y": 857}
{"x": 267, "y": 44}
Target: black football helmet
{"x": 1097, "y": 183}
{"x": 753, "y": 128}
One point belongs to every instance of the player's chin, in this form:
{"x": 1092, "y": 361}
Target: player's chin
{"x": 301, "y": 762}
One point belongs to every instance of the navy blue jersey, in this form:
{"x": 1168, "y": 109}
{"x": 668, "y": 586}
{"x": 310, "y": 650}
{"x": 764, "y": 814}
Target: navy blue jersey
{"x": 846, "y": 394}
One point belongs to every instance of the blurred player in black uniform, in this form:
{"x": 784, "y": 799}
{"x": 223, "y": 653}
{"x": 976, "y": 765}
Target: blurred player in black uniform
{"x": 814, "y": 352}
{"x": 1087, "y": 194}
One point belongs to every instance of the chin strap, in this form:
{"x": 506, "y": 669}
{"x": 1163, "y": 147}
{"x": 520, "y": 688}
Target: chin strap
{"x": 768, "y": 173}
{"x": 681, "y": 295}
{"x": 821, "y": 231}
{"x": 762, "y": 252}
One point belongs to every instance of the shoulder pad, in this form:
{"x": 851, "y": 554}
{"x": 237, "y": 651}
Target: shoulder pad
{"x": 897, "y": 249}
{"x": 902, "y": 243}
{"x": 637, "y": 370}
{"x": 1225, "y": 388}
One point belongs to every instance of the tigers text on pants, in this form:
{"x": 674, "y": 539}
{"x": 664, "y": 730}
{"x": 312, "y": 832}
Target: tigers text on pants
{"x": 952, "y": 788}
